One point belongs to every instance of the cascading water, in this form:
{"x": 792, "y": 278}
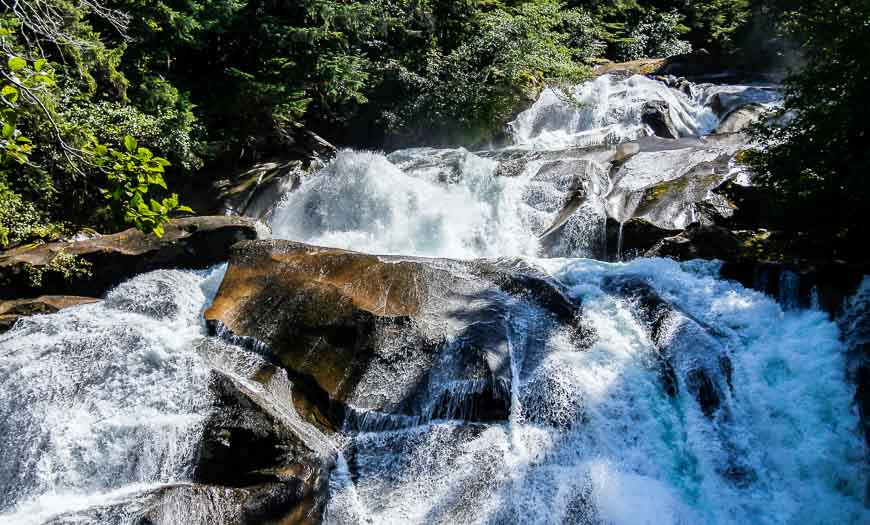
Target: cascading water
{"x": 103, "y": 400}
{"x": 694, "y": 401}
{"x": 593, "y": 436}
{"x": 549, "y": 194}
{"x": 106, "y": 405}
{"x": 607, "y": 110}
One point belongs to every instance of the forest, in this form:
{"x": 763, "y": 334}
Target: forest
{"x": 109, "y": 106}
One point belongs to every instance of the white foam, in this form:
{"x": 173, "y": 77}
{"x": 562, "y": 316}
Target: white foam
{"x": 630, "y": 454}
{"x": 606, "y": 111}
{"x": 103, "y": 396}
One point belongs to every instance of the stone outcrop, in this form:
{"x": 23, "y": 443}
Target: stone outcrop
{"x": 702, "y": 242}
{"x": 656, "y": 115}
{"x": 671, "y": 188}
{"x": 382, "y": 341}
{"x": 799, "y": 283}
{"x": 644, "y": 66}
{"x": 248, "y": 444}
{"x": 690, "y": 357}
{"x": 257, "y": 462}
{"x": 11, "y": 311}
{"x": 741, "y": 118}
{"x": 90, "y": 267}
{"x": 254, "y": 192}
{"x": 636, "y": 238}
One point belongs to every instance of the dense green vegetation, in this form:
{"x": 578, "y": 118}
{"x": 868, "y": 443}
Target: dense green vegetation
{"x": 816, "y": 160}
{"x": 100, "y": 97}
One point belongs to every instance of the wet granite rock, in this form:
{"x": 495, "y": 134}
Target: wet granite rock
{"x": 382, "y": 340}
{"x": 656, "y": 115}
{"x": 194, "y": 242}
{"x": 741, "y": 118}
{"x": 11, "y": 311}
{"x": 690, "y": 357}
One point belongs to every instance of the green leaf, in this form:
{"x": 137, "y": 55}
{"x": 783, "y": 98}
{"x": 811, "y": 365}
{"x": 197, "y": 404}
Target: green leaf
{"x": 158, "y": 180}
{"x": 16, "y": 63}
{"x": 38, "y": 65}
{"x": 130, "y": 143}
{"x": 188, "y": 209}
{"x": 10, "y": 93}
{"x": 144, "y": 154}
{"x": 8, "y": 131}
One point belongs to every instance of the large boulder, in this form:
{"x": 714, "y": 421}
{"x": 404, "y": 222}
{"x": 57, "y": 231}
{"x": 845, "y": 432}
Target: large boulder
{"x": 643, "y": 66}
{"x": 741, "y": 118}
{"x": 380, "y": 341}
{"x": 702, "y": 242}
{"x": 92, "y": 266}
{"x": 573, "y": 189}
{"x": 256, "y": 460}
{"x": 632, "y": 238}
{"x": 672, "y": 188}
{"x": 690, "y": 357}
{"x": 11, "y": 311}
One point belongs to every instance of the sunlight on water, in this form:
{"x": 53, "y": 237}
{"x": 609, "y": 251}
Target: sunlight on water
{"x": 694, "y": 400}
{"x": 103, "y": 398}
{"x": 777, "y": 452}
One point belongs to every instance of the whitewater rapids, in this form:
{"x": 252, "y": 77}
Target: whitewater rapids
{"x": 107, "y": 400}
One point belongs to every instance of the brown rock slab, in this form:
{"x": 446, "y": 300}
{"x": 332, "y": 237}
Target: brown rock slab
{"x": 194, "y": 242}
{"x": 380, "y": 335}
{"x": 11, "y": 311}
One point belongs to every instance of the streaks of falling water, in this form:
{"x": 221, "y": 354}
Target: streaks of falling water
{"x": 619, "y": 242}
{"x": 107, "y": 399}
{"x": 607, "y": 444}
{"x": 103, "y": 399}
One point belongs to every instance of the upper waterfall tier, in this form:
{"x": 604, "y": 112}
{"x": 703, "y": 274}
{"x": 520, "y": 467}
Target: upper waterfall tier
{"x": 607, "y": 110}
{"x": 550, "y": 193}
{"x": 611, "y": 109}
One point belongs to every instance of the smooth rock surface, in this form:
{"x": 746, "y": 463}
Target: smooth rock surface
{"x": 383, "y": 340}
{"x": 195, "y": 242}
{"x": 11, "y": 311}
{"x": 741, "y": 118}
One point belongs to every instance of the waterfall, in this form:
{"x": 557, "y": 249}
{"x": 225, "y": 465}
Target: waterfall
{"x": 670, "y": 396}
{"x": 606, "y": 111}
{"x": 104, "y": 399}
{"x": 596, "y": 437}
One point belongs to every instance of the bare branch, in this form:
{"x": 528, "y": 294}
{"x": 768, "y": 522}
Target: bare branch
{"x": 68, "y": 151}
{"x": 43, "y": 21}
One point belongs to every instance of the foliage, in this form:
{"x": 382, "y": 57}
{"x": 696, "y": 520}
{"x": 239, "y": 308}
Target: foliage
{"x": 24, "y": 82}
{"x": 655, "y": 35}
{"x": 719, "y": 26}
{"x": 131, "y": 173}
{"x": 817, "y": 158}
{"x": 211, "y": 84}
{"x": 479, "y": 83}
{"x": 68, "y": 265}
{"x": 47, "y": 176}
